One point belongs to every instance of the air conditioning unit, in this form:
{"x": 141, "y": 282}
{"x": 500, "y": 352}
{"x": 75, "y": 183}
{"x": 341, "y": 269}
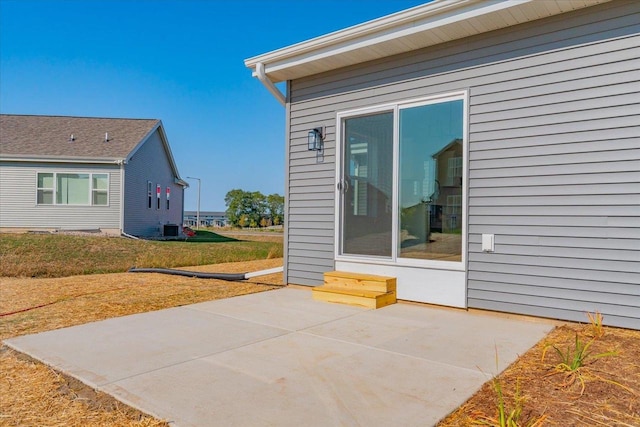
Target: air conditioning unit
{"x": 171, "y": 230}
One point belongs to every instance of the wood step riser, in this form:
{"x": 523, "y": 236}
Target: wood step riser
{"x": 376, "y": 302}
{"x": 360, "y": 281}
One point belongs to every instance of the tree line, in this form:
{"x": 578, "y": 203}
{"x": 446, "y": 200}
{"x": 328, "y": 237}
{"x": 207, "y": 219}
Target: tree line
{"x": 254, "y": 209}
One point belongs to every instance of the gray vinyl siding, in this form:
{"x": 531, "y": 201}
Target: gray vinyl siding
{"x": 150, "y": 163}
{"x": 554, "y": 159}
{"x": 18, "y": 207}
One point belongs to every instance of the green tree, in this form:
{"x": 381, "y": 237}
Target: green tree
{"x": 234, "y": 201}
{"x": 245, "y": 208}
{"x": 275, "y": 208}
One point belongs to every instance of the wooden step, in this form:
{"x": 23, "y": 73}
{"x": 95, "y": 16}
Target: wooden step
{"x": 367, "y": 282}
{"x": 364, "y": 290}
{"x": 360, "y": 297}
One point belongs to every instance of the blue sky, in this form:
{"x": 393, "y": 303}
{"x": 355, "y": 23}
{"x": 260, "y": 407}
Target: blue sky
{"x": 178, "y": 61}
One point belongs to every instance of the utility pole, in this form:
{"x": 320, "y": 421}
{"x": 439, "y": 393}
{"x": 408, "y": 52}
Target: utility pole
{"x": 198, "y": 210}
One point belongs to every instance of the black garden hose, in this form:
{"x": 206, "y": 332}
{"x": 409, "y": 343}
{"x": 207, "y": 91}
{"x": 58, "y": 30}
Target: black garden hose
{"x": 199, "y": 275}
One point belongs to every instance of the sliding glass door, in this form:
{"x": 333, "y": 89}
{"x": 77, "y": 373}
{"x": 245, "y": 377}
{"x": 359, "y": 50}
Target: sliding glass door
{"x": 367, "y": 185}
{"x": 401, "y": 182}
{"x": 430, "y": 170}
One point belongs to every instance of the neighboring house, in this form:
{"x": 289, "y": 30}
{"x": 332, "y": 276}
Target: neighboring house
{"x": 77, "y": 173}
{"x": 535, "y": 208}
{"x": 207, "y": 219}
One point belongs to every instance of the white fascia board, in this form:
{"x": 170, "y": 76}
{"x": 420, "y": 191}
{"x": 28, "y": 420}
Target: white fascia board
{"x": 181, "y": 182}
{"x": 453, "y": 14}
{"x": 396, "y": 26}
{"x": 357, "y": 31}
{"x": 167, "y": 148}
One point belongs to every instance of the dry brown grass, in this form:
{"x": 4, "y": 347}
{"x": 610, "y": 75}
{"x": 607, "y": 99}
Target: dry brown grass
{"x": 61, "y": 255}
{"x": 35, "y": 395}
{"x": 80, "y": 299}
{"x": 32, "y": 394}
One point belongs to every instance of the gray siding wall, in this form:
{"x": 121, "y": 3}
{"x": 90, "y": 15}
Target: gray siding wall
{"x": 18, "y": 208}
{"x": 150, "y": 163}
{"x": 554, "y": 161}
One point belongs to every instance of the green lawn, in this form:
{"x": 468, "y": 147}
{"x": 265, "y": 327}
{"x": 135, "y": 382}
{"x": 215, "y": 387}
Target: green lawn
{"x": 60, "y": 255}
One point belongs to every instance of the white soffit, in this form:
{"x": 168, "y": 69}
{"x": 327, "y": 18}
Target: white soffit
{"x": 426, "y": 25}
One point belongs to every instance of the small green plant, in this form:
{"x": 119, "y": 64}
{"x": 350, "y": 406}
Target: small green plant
{"x": 573, "y": 361}
{"x": 504, "y": 417}
{"x": 575, "y": 358}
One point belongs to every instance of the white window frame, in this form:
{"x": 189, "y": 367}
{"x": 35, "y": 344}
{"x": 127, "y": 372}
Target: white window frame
{"x": 95, "y": 190}
{"x": 52, "y": 189}
{"x": 395, "y": 260}
{"x": 55, "y": 188}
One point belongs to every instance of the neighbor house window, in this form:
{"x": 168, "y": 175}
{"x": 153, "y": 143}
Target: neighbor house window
{"x": 100, "y": 189}
{"x": 149, "y": 194}
{"x": 454, "y": 170}
{"x": 46, "y": 188}
{"x": 73, "y": 189}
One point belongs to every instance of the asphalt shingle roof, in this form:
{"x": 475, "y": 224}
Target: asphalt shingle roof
{"x": 50, "y": 136}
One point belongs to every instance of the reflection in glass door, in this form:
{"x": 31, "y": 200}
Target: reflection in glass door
{"x": 431, "y": 181}
{"x": 366, "y": 186}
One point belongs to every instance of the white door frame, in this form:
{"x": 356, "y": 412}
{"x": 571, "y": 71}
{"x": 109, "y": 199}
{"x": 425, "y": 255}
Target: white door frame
{"x": 431, "y": 281}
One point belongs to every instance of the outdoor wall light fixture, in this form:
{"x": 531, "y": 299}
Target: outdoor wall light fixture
{"x": 314, "y": 140}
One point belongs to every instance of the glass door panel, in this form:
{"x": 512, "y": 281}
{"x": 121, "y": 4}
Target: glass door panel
{"x": 431, "y": 180}
{"x": 366, "y": 186}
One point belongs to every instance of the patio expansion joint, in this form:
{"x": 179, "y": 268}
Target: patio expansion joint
{"x": 228, "y": 316}
{"x": 397, "y": 353}
{"x": 285, "y": 333}
{"x": 194, "y": 358}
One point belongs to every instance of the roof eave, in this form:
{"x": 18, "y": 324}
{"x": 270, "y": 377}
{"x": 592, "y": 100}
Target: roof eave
{"x": 412, "y": 29}
{"x": 360, "y": 30}
{"x": 60, "y": 159}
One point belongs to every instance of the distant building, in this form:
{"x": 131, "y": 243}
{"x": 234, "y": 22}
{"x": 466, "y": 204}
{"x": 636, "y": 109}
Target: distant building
{"x": 207, "y": 219}
{"x": 80, "y": 173}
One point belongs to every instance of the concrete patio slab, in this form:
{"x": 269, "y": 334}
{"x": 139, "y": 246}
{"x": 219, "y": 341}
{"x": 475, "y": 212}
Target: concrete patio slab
{"x": 281, "y": 358}
{"x": 285, "y": 310}
{"x": 439, "y": 335}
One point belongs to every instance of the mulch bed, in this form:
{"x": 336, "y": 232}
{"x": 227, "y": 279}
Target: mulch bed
{"x": 555, "y": 397}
